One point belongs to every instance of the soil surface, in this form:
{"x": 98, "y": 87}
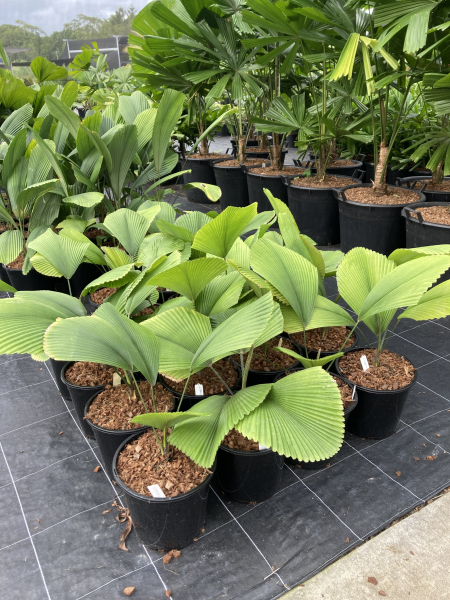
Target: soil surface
{"x": 211, "y": 383}
{"x": 342, "y": 163}
{"x": 235, "y": 439}
{"x": 89, "y": 374}
{"x": 394, "y": 372}
{"x": 333, "y": 340}
{"x": 93, "y": 233}
{"x": 100, "y": 295}
{"x": 366, "y": 195}
{"x": 434, "y": 214}
{"x": 256, "y": 149}
{"x": 147, "y": 311}
{"x": 113, "y": 408}
{"x": 444, "y": 186}
{"x": 209, "y": 156}
{"x": 266, "y": 359}
{"x": 17, "y": 263}
{"x": 272, "y": 171}
{"x": 236, "y": 163}
{"x": 346, "y": 392}
{"x": 329, "y": 181}
{"x": 141, "y": 464}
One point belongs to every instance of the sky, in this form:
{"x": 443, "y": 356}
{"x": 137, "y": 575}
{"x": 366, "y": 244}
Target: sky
{"x": 50, "y": 15}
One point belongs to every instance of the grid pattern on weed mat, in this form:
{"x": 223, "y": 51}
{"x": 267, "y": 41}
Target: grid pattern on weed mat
{"x": 59, "y": 539}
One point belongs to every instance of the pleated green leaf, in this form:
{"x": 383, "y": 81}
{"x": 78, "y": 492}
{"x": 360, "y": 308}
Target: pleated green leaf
{"x": 309, "y": 362}
{"x": 200, "y": 438}
{"x": 11, "y": 245}
{"x": 86, "y": 200}
{"x": 239, "y": 331}
{"x": 16, "y": 120}
{"x": 130, "y": 107}
{"x": 165, "y": 420}
{"x": 45, "y": 211}
{"x": 15, "y": 152}
{"x": 64, "y": 114}
{"x": 302, "y": 417}
{"x": 62, "y": 253}
{"x": 190, "y": 278}
{"x": 221, "y": 293}
{"x": 193, "y": 221}
{"x": 169, "y": 111}
{"x": 212, "y": 192}
{"x": 180, "y": 332}
{"x": 332, "y": 260}
{"x": 434, "y": 304}
{"x": 291, "y": 274}
{"x": 239, "y": 254}
{"x": 114, "y": 278}
{"x": 5, "y": 287}
{"x": 116, "y": 257}
{"x": 175, "y": 230}
{"x": 157, "y": 245}
{"x": 325, "y": 314}
{"x": 218, "y": 236}
{"x": 274, "y": 326}
{"x": 300, "y": 244}
{"x": 129, "y": 227}
{"x": 149, "y": 213}
{"x": 402, "y": 255}
{"x": 122, "y": 149}
{"x": 93, "y": 253}
{"x": 30, "y": 193}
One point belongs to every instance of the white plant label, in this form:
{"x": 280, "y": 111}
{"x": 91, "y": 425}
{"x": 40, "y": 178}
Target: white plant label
{"x": 364, "y": 362}
{"x": 156, "y": 491}
{"x": 262, "y": 447}
{"x": 117, "y": 380}
{"x": 199, "y": 389}
{"x": 264, "y": 165}
{"x": 353, "y": 393}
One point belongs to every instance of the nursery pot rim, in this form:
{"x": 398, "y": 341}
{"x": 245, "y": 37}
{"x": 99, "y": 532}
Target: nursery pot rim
{"x": 142, "y": 428}
{"x": 407, "y": 209}
{"x": 150, "y": 499}
{"x": 218, "y": 164}
{"x": 366, "y": 204}
{"x": 246, "y": 452}
{"x": 366, "y": 389}
{"x": 287, "y": 182}
{"x": 74, "y": 385}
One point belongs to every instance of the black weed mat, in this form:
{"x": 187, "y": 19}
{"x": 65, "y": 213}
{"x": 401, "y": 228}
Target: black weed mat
{"x": 59, "y": 542}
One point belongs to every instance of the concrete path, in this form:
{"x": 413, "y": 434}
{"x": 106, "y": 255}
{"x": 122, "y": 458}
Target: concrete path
{"x": 408, "y": 561}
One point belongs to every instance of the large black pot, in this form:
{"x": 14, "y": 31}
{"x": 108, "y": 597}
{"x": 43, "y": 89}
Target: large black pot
{"x": 347, "y": 170}
{"x": 391, "y": 176}
{"x": 201, "y": 171}
{"x": 83, "y": 276}
{"x": 321, "y": 464}
{"x": 420, "y": 183}
{"x": 108, "y": 440}
{"x": 233, "y": 183}
{"x": 421, "y": 233}
{"x": 57, "y": 366}
{"x": 165, "y": 523}
{"x": 315, "y": 210}
{"x": 378, "y": 412}
{"x": 256, "y": 184}
{"x": 4, "y": 274}
{"x": 35, "y": 281}
{"x": 264, "y": 155}
{"x": 190, "y": 401}
{"x": 378, "y": 227}
{"x": 248, "y": 476}
{"x": 90, "y": 305}
{"x": 80, "y": 397}
{"x": 313, "y": 353}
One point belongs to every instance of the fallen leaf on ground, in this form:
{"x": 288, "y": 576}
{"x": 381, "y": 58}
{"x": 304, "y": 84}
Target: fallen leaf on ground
{"x": 168, "y": 593}
{"x": 382, "y": 593}
{"x": 61, "y": 432}
{"x": 167, "y": 558}
{"x": 348, "y": 540}
{"x": 123, "y": 517}
{"x": 416, "y": 458}
{"x": 372, "y": 580}
{"x": 175, "y": 553}
{"x": 195, "y": 539}
{"x": 411, "y": 552}
{"x": 97, "y": 469}
{"x": 438, "y": 435}
{"x": 430, "y": 457}
{"x": 129, "y": 590}
{"x": 107, "y": 511}
{"x": 398, "y": 473}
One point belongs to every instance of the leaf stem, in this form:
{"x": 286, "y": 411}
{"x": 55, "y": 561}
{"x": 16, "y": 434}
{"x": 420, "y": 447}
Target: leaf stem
{"x": 224, "y": 383}
{"x": 139, "y": 392}
{"x": 182, "y": 395}
{"x": 247, "y": 367}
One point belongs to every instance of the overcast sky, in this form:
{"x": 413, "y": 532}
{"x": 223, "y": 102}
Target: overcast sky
{"x": 50, "y": 15}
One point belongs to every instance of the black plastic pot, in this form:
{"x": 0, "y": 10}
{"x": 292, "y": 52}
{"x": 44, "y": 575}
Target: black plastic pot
{"x": 420, "y": 183}
{"x": 35, "y": 281}
{"x": 108, "y": 440}
{"x": 201, "y": 171}
{"x": 347, "y": 170}
{"x": 421, "y": 233}
{"x": 57, "y": 366}
{"x": 378, "y": 412}
{"x": 248, "y": 476}
{"x": 315, "y": 210}
{"x": 265, "y": 155}
{"x": 321, "y": 464}
{"x": 90, "y": 305}
{"x": 233, "y": 183}
{"x": 165, "y": 523}
{"x": 378, "y": 227}
{"x": 80, "y": 397}
{"x": 313, "y": 353}
{"x": 190, "y": 401}
{"x": 4, "y": 274}
{"x": 83, "y": 276}
{"x": 391, "y": 176}
{"x": 256, "y": 183}
{"x": 291, "y": 139}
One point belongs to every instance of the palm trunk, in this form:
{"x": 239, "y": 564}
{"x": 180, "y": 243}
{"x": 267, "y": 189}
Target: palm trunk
{"x": 436, "y": 176}
{"x": 321, "y": 162}
{"x": 276, "y": 153}
{"x": 381, "y": 170}
{"x": 241, "y": 149}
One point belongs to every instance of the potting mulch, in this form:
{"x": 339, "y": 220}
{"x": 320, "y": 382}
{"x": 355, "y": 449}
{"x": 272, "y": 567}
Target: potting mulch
{"x": 17, "y": 263}
{"x": 273, "y": 171}
{"x": 329, "y": 181}
{"x": 100, "y": 295}
{"x": 236, "y": 163}
{"x": 265, "y": 358}
{"x": 253, "y": 149}
{"x": 93, "y": 233}
{"x": 211, "y": 383}
{"x": 443, "y": 186}
{"x": 394, "y": 371}
{"x": 141, "y": 463}
{"x": 113, "y": 408}
{"x": 434, "y": 214}
{"x": 367, "y": 195}
{"x": 146, "y": 311}
{"x": 203, "y": 156}
{"x": 234, "y": 439}
{"x": 58, "y": 514}
{"x": 89, "y": 374}
{"x": 341, "y": 163}
{"x": 345, "y": 390}
{"x": 329, "y": 339}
